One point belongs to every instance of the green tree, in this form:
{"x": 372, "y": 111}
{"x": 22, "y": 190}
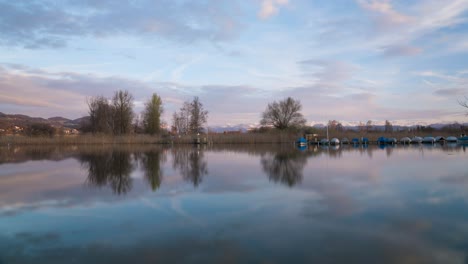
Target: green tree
{"x": 283, "y": 114}
{"x": 152, "y": 115}
{"x": 122, "y": 104}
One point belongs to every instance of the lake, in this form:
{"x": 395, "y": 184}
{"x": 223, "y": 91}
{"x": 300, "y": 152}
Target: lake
{"x": 234, "y": 204}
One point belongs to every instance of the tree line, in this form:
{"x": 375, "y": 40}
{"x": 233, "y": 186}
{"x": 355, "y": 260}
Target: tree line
{"x": 116, "y": 116}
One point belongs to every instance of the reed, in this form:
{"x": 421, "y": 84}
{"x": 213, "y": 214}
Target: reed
{"x": 243, "y": 138}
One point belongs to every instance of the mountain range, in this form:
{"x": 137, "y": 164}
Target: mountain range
{"x": 8, "y": 121}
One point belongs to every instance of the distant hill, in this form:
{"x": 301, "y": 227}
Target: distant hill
{"x": 9, "y": 121}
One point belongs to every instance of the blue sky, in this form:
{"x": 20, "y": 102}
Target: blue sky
{"x": 350, "y": 60}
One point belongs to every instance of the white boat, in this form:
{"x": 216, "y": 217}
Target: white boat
{"x": 416, "y": 140}
{"x": 428, "y": 140}
{"x": 405, "y": 140}
{"x": 335, "y": 141}
{"x": 344, "y": 141}
{"x": 439, "y": 139}
{"x": 451, "y": 139}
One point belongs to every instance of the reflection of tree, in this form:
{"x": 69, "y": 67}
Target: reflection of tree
{"x": 191, "y": 164}
{"x": 111, "y": 168}
{"x": 151, "y": 162}
{"x": 285, "y": 167}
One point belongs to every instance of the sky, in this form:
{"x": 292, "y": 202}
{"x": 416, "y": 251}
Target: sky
{"x": 351, "y": 60}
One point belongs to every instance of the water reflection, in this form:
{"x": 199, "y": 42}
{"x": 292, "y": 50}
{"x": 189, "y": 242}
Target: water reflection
{"x": 355, "y": 205}
{"x": 190, "y": 162}
{"x": 285, "y": 166}
{"x": 111, "y": 169}
{"x": 151, "y": 162}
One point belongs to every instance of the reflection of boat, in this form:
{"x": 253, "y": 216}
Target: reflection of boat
{"x": 302, "y": 147}
{"x": 416, "y": 140}
{"x": 430, "y": 140}
{"x": 344, "y": 141}
{"x": 451, "y": 139}
{"x": 405, "y": 140}
{"x": 335, "y": 141}
{"x": 301, "y": 142}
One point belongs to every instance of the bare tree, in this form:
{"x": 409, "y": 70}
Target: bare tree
{"x": 335, "y": 125}
{"x": 198, "y": 116}
{"x": 388, "y": 126}
{"x": 100, "y": 115}
{"x": 177, "y": 124}
{"x": 283, "y": 114}
{"x": 464, "y": 102}
{"x": 122, "y": 104}
{"x": 152, "y": 115}
{"x": 369, "y": 126}
{"x": 190, "y": 118}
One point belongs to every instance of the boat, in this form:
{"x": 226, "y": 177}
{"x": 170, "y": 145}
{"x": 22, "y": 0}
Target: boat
{"x": 430, "y": 140}
{"x": 365, "y": 141}
{"x": 324, "y": 141}
{"x": 381, "y": 140}
{"x": 405, "y": 140}
{"x": 301, "y": 142}
{"x": 355, "y": 140}
{"x": 451, "y": 139}
{"x": 439, "y": 139}
{"x": 344, "y": 141}
{"x": 334, "y": 141}
{"x": 391, "y": 141}
{"x": 463, "y": 140}
{"x": 416, "y": 140}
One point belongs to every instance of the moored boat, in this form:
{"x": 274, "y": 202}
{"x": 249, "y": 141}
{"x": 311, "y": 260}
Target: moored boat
{"x": 416, "y": 140}
{"x": 429, "y": 140}
{"x": 463, "y": 140}
{"x": 324, "y": 141}
{"x": 344, "y": 141}
{"x": 439, "y": 139}
{"x": 405, "y": 140}
{"x": 334, "y": 141}
{"x": 381, "y": 140}
{"x": 451, "y": 139}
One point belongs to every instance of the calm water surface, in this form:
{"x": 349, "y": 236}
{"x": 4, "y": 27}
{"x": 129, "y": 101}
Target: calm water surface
{"x": 264, "y": 204}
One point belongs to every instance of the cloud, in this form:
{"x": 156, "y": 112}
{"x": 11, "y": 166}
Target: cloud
{"x": 51, "y": 24}
{"x": 327, "y": 76}
{"x": 270, "y": 8}
{"x": 384, "y": 13}
{"x": 400, "y": 50}
{"x": 450, "y": 92}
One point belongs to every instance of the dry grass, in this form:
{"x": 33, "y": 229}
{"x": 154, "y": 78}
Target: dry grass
{"x": 81, "y": 140}
{"x": 247, "y": 138}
